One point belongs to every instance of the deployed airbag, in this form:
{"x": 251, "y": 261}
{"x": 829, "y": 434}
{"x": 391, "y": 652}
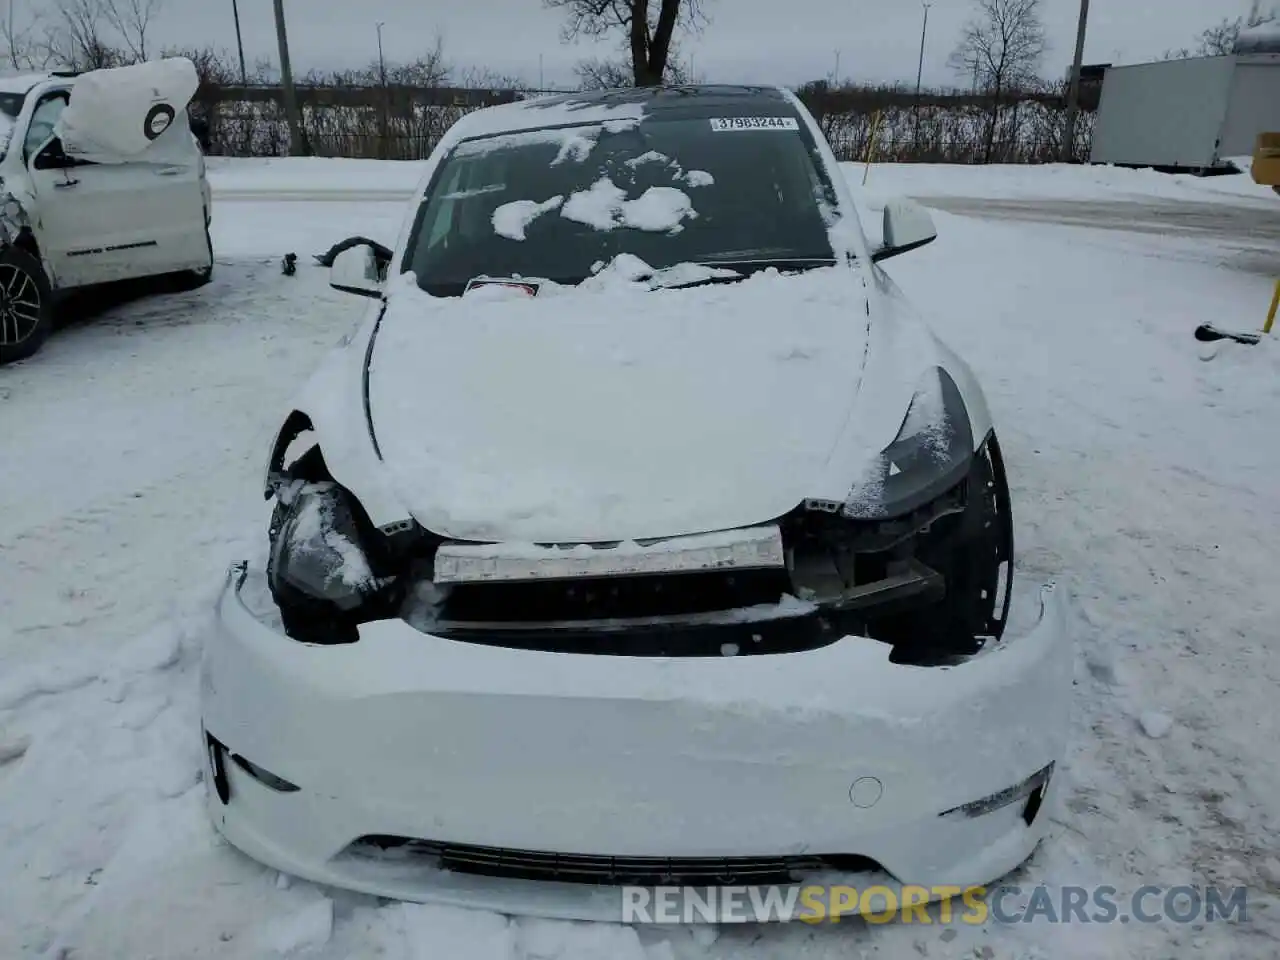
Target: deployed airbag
{"x": 117, "y": 114}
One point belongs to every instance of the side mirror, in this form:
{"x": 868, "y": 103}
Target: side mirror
{"x": 907, "y": 226}
{"x": 355, "y": 270}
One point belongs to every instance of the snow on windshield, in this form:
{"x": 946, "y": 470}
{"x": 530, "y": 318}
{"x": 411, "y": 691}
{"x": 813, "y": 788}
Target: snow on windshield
{"x": 627, "y": 268}
{"x": 604, "y": 206}
{"x": 549, "y": 202}
{"x": 512, "y": 219}
{"x": 694, "y": 178}
{"x": 653, "y": 156}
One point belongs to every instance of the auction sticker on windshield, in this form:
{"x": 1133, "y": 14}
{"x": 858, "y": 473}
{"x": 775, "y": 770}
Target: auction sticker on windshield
{"x": 720, "y": 124}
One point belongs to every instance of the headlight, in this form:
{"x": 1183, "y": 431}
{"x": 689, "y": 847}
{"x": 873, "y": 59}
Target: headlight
{"x": 317, "y": 549}
{"x": 930, "y": 455}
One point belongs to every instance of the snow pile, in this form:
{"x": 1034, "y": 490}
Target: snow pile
{"x": 604, "y": 206}
{"x": 1155, "y": 725}
{"x": 640, "y": 413}
{"x": 512, "y": 219}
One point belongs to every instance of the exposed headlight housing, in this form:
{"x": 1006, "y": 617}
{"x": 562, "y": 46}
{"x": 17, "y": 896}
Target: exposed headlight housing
{"x": 317, "y": 551}
{"x": 930, "y": 455}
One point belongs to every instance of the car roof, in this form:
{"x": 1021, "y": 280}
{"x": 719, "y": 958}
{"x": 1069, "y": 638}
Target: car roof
{"x": 22, "y": 83}
{"x": 692, "y": 102}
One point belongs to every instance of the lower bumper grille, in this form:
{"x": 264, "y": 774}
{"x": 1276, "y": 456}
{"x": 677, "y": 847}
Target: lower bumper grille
{"x": 502, "y": 862}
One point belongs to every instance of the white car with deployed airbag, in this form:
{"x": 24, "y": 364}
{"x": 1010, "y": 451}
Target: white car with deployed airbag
{"x": 101, "y": 180}
{"x": 639, "y": 533}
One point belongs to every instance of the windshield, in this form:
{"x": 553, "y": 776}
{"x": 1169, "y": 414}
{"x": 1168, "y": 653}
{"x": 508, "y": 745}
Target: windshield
{"x": 558, "y": 204}
{"x": 10, "y": 107}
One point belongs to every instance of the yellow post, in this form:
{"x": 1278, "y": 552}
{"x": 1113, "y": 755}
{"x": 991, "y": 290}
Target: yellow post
{"x": 871, "y": 147}
{"x": 1275, "y": 308}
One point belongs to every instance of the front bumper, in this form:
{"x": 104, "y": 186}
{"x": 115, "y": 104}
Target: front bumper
{"x": 833, "y": 751}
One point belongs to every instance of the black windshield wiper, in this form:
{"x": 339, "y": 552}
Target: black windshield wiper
{"x": 762, "y": 259}
{"x": 698, "y": 281}
{"x": 741, "y": 269}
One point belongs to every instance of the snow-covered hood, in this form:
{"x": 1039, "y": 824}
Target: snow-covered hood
{"x": 614, "y": 412}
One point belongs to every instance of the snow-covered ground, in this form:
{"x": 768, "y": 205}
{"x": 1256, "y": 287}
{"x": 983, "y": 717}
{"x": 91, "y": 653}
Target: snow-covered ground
{"x": 302, "y": 177}
{"x": 1062, "y": 182}
{"x": 1144, "y": 472}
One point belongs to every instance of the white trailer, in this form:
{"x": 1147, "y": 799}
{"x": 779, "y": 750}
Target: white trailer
{"x": 1187, "y": 114}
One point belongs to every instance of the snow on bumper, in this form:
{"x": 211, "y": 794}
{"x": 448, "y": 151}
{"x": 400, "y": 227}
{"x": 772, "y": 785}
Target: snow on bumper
{"x": 835, "y": 751}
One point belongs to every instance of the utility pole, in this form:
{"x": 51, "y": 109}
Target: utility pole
{"x": 384, "y": 131}
{"x": 235, "y": 12}
{"x": 1073, "y": 97}
{"x": 297, "y": 138}
{"x": 835, "y": 78}
{"x": 382, "y": 63}
{"x": 924, "y": 32}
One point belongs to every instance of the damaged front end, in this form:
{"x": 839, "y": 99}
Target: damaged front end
{"x": 14, "y": 221}
{"x": 932, "y": 582}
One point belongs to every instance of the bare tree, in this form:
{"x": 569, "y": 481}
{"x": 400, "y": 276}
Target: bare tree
{"x": 609, "y": 74}
{"x": 1001, "y": 49}
{"x": 22, "y": 47}
{"x": 648, "y": 25}
{"x": 482, "y": 78}
{"x": 597, "y": 74}
{"x": 1220, "y": 39}
{"x": 79, "y": 36}
{"x": 131, "y": 20}
{"x": 428, "y": 71}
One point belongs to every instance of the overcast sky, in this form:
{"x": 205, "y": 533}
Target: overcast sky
{"x": 747, "y": 40}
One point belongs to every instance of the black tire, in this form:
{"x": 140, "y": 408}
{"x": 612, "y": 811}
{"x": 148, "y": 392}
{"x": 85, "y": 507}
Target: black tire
{"x": 26, "y": 305}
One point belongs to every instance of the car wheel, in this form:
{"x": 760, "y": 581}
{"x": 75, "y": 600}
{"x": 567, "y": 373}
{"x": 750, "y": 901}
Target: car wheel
{"x": 26, "y": 305}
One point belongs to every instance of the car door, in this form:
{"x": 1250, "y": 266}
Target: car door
{"x": 99, "y": 222}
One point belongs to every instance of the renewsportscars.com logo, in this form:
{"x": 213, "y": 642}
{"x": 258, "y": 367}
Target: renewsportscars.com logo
{"x": 912, "y": 904}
